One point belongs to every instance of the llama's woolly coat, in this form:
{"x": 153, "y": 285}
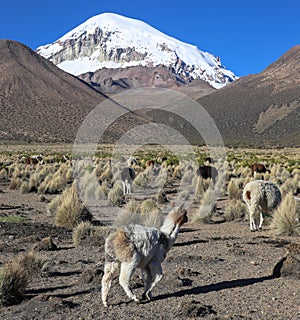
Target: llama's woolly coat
{"x": 261, "y": 196}
{"x": 147, "y": 242}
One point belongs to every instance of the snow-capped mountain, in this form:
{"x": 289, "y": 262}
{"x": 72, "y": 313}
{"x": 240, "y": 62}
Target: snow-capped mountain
{"x": 112, "y": 41}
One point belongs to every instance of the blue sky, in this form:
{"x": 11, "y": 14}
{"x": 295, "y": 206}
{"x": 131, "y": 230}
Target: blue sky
{"x": 247, "y": 35}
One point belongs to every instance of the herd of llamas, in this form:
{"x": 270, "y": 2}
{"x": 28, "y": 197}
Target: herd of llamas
{"x": 133, "y": 246}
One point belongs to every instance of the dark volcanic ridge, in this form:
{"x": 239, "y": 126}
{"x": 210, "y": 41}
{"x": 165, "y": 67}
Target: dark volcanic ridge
{"x": 111, "y": 81}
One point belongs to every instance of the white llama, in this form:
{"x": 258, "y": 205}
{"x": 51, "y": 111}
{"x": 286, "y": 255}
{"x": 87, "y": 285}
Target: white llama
{"x": 137, "y": 246}
{"x": 260, "y": 196}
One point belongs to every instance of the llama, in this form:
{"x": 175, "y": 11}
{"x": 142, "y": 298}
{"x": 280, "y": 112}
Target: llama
{"x": 258, "y": 168}
{"x": 127, "y": 176}
{"x": 137, "y": 246}
{"x": 206, "y": 172}
{"x": 260, "y": 196}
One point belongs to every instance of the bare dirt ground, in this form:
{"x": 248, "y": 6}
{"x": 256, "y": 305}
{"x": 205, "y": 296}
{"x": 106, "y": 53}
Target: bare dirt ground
{"x": 214, "y": 271}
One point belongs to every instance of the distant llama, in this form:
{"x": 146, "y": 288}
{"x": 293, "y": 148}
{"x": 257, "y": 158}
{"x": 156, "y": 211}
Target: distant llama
{"x": 128, "y": 175}
{"x": 260, "y": 196}
{"x": 258, "y": 168}
{"x": 137, "y": 246}
{"x": 207, "y": 172}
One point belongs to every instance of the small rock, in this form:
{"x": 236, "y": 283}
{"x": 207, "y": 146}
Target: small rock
{"x": 289, "y": 265}
{"x": 46, "y": 244}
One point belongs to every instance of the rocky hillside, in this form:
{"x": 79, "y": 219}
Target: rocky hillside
{"x": 111, "y": 81}
{"x": 262, "y": 109}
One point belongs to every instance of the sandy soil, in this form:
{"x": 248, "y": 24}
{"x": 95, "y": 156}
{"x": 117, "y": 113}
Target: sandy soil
{"x": 214, "y": 271}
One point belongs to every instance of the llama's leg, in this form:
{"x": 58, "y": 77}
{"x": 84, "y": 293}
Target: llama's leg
{"x": 252, "y": 210}
{"x": 129, "y": 188}
{"x": 124, "y": 188}
{"x": 110, "y": 270}
{"x": 156, "y": 275}
{"x": 261, "y": 219}
{"x": 147, "y": 280}
{"x": 127, "y": 269}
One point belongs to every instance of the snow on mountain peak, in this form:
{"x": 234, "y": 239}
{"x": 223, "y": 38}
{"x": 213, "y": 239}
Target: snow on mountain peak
{"x": 110, "y": 40}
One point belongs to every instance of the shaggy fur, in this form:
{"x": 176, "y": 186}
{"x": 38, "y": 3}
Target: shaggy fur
{"x": 137, "y": 246}
{"x": 260, "y": 196}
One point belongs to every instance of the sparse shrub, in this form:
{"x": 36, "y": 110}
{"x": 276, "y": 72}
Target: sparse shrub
{"x": 183, "y": 195}
{"x": 106, "y": 175}
{"x": 289, "y": 185}
{"x": 177, "y": 172}
{"x": 286, "y": 218}
{"x": 187, "y": 177}
{"x": 141, "y": 180}
{"x": 13, "y": 281}
{"x": 115, "y": 195}
{"x": 53, "y": 205}
{"x": 24, "y": 188}
{"x": 70, "y": 210}
{"x": 207, "y": 208}
{"x": 148, "y": 205}
{"x": 85, "y": 234}
{"x": 32, "y": 262}
{"x": 15, "y": 276}
{"x": 15, "y": 183}
{"x": 3, "y": 174}
{"x": 132, "y": 206}
{"x": 234, "y": 190}
{"x": 235, "y": 209}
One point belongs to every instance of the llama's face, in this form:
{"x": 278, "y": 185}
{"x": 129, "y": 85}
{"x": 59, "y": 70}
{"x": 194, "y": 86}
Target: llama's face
{"x": 183, "y": 218}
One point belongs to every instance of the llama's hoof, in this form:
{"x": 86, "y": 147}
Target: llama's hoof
{"x": 147, "y": 296}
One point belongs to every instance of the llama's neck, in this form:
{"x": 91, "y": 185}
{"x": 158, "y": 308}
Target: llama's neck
{"x": 171, "y": 237}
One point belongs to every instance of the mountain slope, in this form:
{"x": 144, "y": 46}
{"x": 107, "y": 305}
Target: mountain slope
{"x": 113, "y": 41}
{"x": 111, "y": 81}
{"x": 261, "y": 109}
{"x": 38, "y": 101}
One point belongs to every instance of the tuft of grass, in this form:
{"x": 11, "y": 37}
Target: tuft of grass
{"x": 115, "y": 195}
{"x": 15, "y": 276}
{"x": 235, "y": 209}
{"x": 207, "y": 208}
{"x": 85, "y": 234}
{"x": 70, "y": 210}
{"x": 141, "y": 180}
{"x": 286, "y": 218}
{"x": 234, "y": 190}
{"x": 13, "y": 281}
{"x": 148, "y": 205}
{"x": 132, "y": 206}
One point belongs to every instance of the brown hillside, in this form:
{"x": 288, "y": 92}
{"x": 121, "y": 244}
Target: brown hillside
{"x": 38, "y": 101}
{"x": 261, "y": 109}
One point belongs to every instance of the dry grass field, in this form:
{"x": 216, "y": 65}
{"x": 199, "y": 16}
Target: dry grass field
{"x": 55, "y": 216}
